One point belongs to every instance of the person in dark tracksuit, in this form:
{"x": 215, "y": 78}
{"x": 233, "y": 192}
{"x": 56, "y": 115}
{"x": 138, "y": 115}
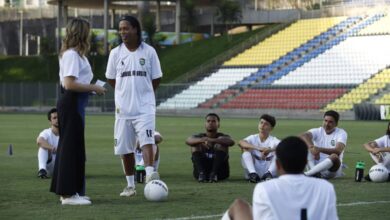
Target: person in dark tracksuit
{"x": 75, "y": 75}
{"x": 210, "y": 152}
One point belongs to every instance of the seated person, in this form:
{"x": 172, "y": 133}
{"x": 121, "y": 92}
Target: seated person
{"x": 290, "y": 196}
{"x": 47, "y": 142}
{"x": 379, "y": 151}
{"x": 258, "y": 151}
{"x": 139, "y": 160}
{"x": 210, "y": 152}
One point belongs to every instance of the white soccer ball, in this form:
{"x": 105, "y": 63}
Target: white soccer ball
{"x": 378, "y": 173}
{"x": 156, "y": 191}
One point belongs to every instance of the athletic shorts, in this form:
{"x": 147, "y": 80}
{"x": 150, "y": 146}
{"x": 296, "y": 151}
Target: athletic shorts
{"x": 127, "y": 131}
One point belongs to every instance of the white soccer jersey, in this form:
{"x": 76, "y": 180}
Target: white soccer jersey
{"x": 50, "y": 137}
{"x": 254, "y": 139}
{"x": 71, "y": 64}
{"x": 322, "y": 139}
{"x": 383, "y": 142}
{"x": 133, "y": 73}
{"x": 291, "y": 196}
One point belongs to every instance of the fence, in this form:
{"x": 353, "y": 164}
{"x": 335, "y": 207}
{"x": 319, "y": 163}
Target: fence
{"x": 38, "y": 96}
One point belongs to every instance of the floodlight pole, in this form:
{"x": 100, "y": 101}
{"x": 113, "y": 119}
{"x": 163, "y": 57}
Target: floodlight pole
{"x": 21, "y": 34}
{"x": 105, "y": 41}
{"x": 177, "y": 22}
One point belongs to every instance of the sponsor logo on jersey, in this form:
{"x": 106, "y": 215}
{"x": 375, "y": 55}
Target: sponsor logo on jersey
{"x": 333, "y": 142}
{"x": 142, "y": 61}
{"x": 134, "y": 73}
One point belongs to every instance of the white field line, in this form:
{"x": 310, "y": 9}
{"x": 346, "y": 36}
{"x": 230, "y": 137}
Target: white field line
{"x": 220, "y": 215}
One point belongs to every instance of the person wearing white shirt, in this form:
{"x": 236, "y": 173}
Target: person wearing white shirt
{"x": 293, "y": 195}
{"x": 326, "y": 146}
{"x": 379, "y": 150}
{"x": 258, "y": 151}
{"x": 47, "y": 142}
{"x": 75, "y": 74}
{"x": 134, "y": 71}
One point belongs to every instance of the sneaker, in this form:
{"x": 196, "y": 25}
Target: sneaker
{"x": 254, "y": 178}
{"x": 202, "y": 177}
{"x": 266, "y": 176}
{"x": 75, "y": 200}
{"x": 213, "y": 178}
{"x": 83, "y": 197}
{"x": 128, "y": 192}
{"x": 152, "y": 176}
{"x": 42, "y": 174}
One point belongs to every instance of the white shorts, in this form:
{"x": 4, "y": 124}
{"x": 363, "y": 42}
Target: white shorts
{"x": 127, "y": 131}
{"x": 261, "y": 166}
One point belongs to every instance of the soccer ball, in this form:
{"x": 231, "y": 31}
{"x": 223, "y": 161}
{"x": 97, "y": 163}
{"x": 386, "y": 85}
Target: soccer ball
{"x": 156, "y": 191}
{"x": 378, "y": 173}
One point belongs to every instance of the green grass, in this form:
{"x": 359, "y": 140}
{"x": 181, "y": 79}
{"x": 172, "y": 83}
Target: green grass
{"x": 24, "y": 196}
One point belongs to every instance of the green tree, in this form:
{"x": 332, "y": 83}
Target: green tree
{"x": 189, "y": 16}
{"x": 149, "y": 25}
{"x": 229, "y": 12}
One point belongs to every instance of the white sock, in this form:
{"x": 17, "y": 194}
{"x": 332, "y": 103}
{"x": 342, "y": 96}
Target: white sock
{"x": 226, "y": 216}
{"x": 156, "y": 164}
{"x": 248, "y": 161}
{"x": 149, "y": 170}
{"x": 43, "y": 155}
{"x": 324, "y": 165}
{"x": 130, "y": 181}
{"x": 310, "y": 161}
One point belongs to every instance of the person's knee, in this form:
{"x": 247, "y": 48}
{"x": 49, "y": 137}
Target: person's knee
{"x": 336, "y": 162}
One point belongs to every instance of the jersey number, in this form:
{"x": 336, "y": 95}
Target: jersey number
{"x": 149, "y": 133}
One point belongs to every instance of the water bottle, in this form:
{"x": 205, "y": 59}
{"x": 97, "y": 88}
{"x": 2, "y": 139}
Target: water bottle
{"x": 140, "y": 173}
{"x": 359, "y": 172}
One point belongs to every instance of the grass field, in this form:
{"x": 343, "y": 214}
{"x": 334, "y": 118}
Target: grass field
{"x": 24, "y": 196}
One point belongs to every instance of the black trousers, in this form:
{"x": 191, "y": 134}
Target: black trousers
{"x": 202, "y": 162}
{"x": 69, "y": 169}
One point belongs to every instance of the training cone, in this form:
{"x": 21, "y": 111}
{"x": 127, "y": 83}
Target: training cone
{"x": 10, "y": 150}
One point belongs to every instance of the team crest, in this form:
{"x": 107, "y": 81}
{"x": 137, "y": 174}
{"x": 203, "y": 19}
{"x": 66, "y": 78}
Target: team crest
{"x": 333, "y": 142}
{"x": 142, "y": 61}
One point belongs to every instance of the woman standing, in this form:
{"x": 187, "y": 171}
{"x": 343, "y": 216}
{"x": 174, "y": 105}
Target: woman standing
{"x": 75, "y": 76}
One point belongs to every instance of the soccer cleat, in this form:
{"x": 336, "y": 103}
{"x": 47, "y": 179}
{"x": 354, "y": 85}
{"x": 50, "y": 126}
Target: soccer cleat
{"x": 266, "y": 176}
{"x": 202, "y": 177}
{"x": 42, "y": 174}
{"x": 152, "y": 176}
{"x": 128, "y": 192}
{"x": 254, "y": 178}
{"x": 213, "y": 178}
{"x": 75, "y": 200}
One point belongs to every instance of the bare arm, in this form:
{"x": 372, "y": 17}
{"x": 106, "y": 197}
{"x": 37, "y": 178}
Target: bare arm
{"x": 41, "y": 142}
{"x": 373, "y": 147}
{"x": 71, "y": 84}
{"x": 337, "y": 150}
{"x": 156, "y": 83}
{"x": 111, "y": 82}
{"x": 194, "y": 141}
{"x": 222, "y": 140}
{"x": 308, "y": 138}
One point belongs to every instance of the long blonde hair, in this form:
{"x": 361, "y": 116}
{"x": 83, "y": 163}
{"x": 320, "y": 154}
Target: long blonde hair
{"x": 77, "y": 36}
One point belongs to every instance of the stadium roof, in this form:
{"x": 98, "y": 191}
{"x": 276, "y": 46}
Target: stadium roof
{"x": 99, "y": 4}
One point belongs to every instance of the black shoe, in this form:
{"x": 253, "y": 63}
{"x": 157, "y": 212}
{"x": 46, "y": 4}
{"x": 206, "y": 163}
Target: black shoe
{"x": 367, "y": 178}
{"x": 201, "y": 177}
{"x": 254, "y": 178}
{"x": 266, "y": 176}
{"x": 42, "y": 174}
{"x": 317, "y": 175}
{"x": 213, "y": 178}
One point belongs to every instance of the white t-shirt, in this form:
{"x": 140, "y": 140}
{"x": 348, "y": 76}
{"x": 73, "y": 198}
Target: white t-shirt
{"x": 285, "y": 198}
{"x": 322, "y": 139}
{"x": 50, "y": 137}
{"x": 271, "y": 142}
{"x": 383, "y": 141}
{"x": 133, "y": 73}
{"x": 71, "y": 64}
